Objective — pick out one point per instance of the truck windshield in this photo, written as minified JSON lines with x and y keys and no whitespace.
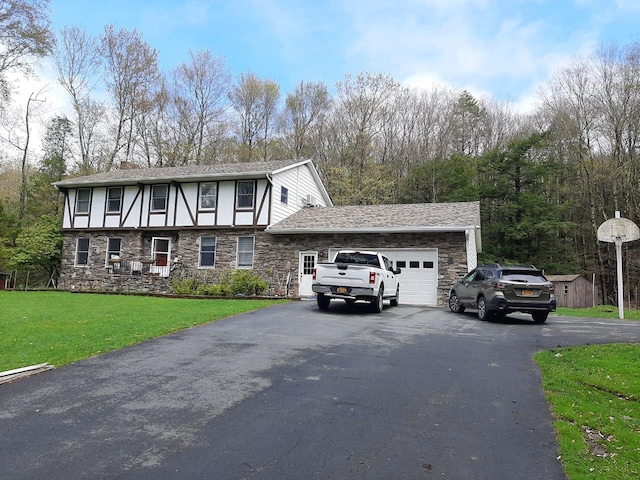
{"x":357,"y":258}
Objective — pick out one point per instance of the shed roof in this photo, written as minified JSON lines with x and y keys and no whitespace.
{"x":396,"y":218}
{"x":563,"y":278}
{"x":217,"y":171}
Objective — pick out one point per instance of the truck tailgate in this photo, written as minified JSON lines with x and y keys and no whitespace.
{"x":352,"y":276}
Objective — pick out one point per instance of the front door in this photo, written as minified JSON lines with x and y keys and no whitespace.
{"x":308,"y":262}
{"x":161,"y":251}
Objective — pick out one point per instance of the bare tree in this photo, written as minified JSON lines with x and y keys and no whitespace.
{"x":360,"y":109}
{"x":305,"y":110}
{"x":25,"y":35}
{"x":200,"y":99}
{"x":18,"y":136}
{"x":78,"y":67}
{"x":255,"y":102}
{"x":131,"y":75}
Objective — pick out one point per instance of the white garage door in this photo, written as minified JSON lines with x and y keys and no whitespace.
{"x":419,"y":277}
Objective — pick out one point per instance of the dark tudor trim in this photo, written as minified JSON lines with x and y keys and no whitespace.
{"x":274,"y":255}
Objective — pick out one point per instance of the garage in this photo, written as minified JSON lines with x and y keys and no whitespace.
{"x":433,"y":243}
{"x":419,"y":277}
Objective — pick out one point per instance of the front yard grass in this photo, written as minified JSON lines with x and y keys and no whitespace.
{"x":599,"y":311}
{"x":62,"y":327}
{"x":594,"y":393}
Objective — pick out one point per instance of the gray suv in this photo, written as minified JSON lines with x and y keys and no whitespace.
{"x":497,"y":290}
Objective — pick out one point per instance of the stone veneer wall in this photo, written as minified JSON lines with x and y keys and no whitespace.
{"x":452,"y":253}
{"x":274,"y":256}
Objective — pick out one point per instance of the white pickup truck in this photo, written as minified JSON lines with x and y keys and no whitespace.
{"x":357,"y":275}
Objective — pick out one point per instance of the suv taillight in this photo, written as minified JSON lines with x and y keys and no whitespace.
{"x":498,"y":285}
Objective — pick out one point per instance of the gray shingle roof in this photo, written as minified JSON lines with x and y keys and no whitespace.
{"x":415,"y":217}
{"x":191,"y":172}
{"x":562,"y":278}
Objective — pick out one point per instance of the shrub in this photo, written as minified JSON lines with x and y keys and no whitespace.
{"x":246,"y":282}
{"x":230,"y":283}
{"x":213,"y":289}
{"x":185,"y":286}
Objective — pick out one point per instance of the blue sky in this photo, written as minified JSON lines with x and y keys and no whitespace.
{"x":503,"y":49}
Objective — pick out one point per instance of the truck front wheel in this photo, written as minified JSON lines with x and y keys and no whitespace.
{"x":377,"y":303}
{"x":323,"y":302}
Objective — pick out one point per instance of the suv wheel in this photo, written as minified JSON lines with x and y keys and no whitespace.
{"x":454,"y":303}
{"x":483,"y":313}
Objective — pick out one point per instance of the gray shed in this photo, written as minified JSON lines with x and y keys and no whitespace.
{"x":573,"y":291}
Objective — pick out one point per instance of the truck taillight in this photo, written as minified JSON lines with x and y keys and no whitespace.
{"x":314,"y":273}
{"x":372,"y":277}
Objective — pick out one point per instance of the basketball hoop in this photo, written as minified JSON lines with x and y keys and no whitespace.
{"x":619,"y":230}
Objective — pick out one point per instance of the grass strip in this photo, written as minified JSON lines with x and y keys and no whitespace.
{"x":594,"y":393}
{"x":599,"y":311}
{"x":62,"y":327}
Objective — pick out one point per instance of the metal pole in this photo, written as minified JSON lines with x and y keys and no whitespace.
{"x":620,"y":288}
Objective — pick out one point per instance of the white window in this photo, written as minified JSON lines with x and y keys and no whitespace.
{"x":161,"y":251}
{"x":208,"y":196}
{"x":284,"y":195}
{"x":207,"y":251}
{"x":82,"y":252}
{"x":158,"y":198}
{"x":114,"y":246}
{"x":245,"y":252}
{"x":83,"y":200}
{"x":245,"y":194}
{"x":114,"y":199}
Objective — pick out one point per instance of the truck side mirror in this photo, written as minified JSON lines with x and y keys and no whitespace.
{"x":397,"y":271}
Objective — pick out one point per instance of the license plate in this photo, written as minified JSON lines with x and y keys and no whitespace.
{"x":341,"y":290}
{"x":527,"y":293}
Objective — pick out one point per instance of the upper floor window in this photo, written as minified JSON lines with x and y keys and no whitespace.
{"x":245,"y":194}
{"x":207,"y":251}
{"x":82,"y":252}
{"x":284,"y":195}
{"x":208,"y":196}
{"x":158,"y":198}
{"x":83,"y":200}
{"x":114,"y":199}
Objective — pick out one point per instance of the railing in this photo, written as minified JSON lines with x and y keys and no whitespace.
{"x":123,"y":266}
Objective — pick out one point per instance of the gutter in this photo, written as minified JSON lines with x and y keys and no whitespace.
{"x":301,"y":231}
{"x":158,"y":180}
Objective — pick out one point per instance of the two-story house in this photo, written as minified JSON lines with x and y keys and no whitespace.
{"x":134,"y":230}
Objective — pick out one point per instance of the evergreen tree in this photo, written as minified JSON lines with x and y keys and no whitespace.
{"x":519,"y":221}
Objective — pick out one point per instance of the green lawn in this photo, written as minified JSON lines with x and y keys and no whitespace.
{"x":62,"y":327}
{"x":594,"y":393}
{"x":599,"y":311}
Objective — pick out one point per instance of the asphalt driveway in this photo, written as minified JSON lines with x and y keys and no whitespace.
{"x":293,"y":393}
